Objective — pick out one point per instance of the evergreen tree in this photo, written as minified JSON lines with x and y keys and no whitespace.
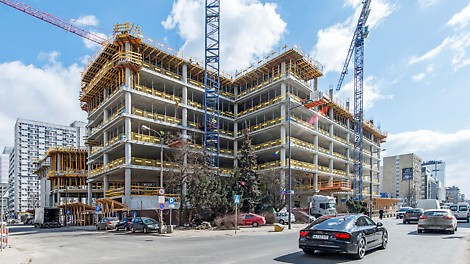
{"x":247,"y":180}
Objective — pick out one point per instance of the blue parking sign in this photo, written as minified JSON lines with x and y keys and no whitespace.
{"x":171,"y":200}
{"x":236,"y":199}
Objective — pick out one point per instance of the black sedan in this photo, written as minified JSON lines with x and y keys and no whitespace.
{"x":352,"y":234}
{"x":124,"y":224}
{"x":144,"y":224}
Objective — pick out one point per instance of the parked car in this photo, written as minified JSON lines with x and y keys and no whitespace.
{"x":401,"y":212}
{"x":107,"y":223}
{"x":352,"y":234}
{"x":124,"y":224}
{"x":283,"y":218}
{"x":252,"y":219}
{"x":144,"y":224}
{"x":461,"y":211}
{"x":437,"y":219}
{"x":412,"y":215}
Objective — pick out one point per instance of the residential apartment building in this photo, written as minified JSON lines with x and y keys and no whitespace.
{"x":4,"y":167}
{"x":438,"y":171}
{"x":430,"y":186}
{"x":131,"y":84}
{"x":32,"y":139}
{"x":402,"y":176}
{"x":453,"y":194}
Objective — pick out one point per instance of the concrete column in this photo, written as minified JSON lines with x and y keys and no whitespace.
{"x":284,"y":148}
{"x":184,"y":99}
{"x":89,"y":200}
{"x":283,"y":68}
{"x":59,"y":165}
{"x":235,"y":142}
{"x":89,"y":178}
{"x":127,"y":186}
{"x":105,"y":183}
{"x":315,"y":84}
{"x":315,"y":182}
{"x":105,"y":159}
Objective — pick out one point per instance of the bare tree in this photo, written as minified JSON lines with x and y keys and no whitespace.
{"x":270,"y":186}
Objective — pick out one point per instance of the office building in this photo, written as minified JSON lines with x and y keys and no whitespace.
{"x":402,"y":177}
{"x":438,"y":171}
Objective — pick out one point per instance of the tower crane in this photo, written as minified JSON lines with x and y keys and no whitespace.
{"x":212,"y":84}
{"x":357,"y":46}
{"x":54,"y":21}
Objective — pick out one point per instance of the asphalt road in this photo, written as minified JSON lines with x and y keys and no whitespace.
{"x":72,"y":245}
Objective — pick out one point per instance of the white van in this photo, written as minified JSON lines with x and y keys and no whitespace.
{"x":461,"y":211}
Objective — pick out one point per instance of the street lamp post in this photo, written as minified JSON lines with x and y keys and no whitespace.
{"x":160,"y":134}
{"x":370,"y":180}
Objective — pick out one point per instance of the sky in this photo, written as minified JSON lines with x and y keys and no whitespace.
{"x":416,"y":64}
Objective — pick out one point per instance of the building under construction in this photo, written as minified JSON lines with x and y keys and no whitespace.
{"x":132,"y":82}
{"x":63,"y":178}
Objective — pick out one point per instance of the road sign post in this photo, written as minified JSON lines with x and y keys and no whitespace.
{"x":236,"y":200}
{"x":171,"y":204}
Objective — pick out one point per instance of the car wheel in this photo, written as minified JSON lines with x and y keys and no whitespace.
{"x":420,"y":231}
{"x":309,"y":251}
{"x":452,"y":231}
{"x":97,"y":228}
{"x":384,"y":240}
{"x":132,"y":229}
{"x":456,"y":228}
{"x":255,"y":224}
{"x":361,"y":249}
{"x":145,"y":230}
{"x":404,"y":222}
{"x":281,"y":222}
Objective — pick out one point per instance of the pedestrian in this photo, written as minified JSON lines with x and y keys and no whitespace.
{"x":381,"y":213}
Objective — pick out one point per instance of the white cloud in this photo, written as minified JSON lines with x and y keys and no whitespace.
{"x":420,"y":76}
{"x":427,"y":3}
{"x":371,"y":90}
{"x":249,"y":29}
{"x":333,"y":42}
{"x":48,"y":93}
{"x":461,"y":19}
{"x":457,"y":45}
{"x":432,"y":145}
{"x":91,"y":21}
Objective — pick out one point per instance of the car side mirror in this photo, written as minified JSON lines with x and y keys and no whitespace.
{"x":379,"y":224}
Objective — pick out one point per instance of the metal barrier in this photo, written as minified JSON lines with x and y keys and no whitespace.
{"x":3,"y":236}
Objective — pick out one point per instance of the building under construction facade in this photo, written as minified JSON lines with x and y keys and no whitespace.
{"x":132,"y":82}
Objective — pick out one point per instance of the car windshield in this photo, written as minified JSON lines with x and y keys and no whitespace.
{"x":413,"y":211}
{"x":453,"y":207}
{"x":150,"y":221}
{"x":403,"y":209}
{"x":463,"y":208}
{"x":435,"y":213}
{"x":330,"y":223}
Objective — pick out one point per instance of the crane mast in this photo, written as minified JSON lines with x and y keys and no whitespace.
{"x":54,"y":21}
{"x":212,"y":84}
{"x":357,"y":46}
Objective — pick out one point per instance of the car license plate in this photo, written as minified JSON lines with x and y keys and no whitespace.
{"x":320,"y":236}
{"x":413,"y":217}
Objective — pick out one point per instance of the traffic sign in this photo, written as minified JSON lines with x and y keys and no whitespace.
{"x":171,"y":200}
{"x":236,"y":199}
{"x":161,"y":191}
{"x":161,"y":206}
{"x":67,"y":212}
{"x":160,"y":199}
{"x":98,"y":208}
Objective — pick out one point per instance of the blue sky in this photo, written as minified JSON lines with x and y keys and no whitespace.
{"x":417,"y":60}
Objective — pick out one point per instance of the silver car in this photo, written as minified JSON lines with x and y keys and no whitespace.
{"x":107,"y":223}
{"x":283,"y":218}
{"x":437,"y":219}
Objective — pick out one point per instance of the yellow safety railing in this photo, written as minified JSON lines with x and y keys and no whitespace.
{"x":157,"y":93}
{"x":127,"y":57}
{"x":268,"y":144}
{"x":117,"y":113}
{"x":303,"y":143}
{"x":342,"y":184}
{"x":260,"y":106}
{"x":145,"y":138}
{"x":259,"y":126}
{"x":261,"y":85}
{"x":155,"y":116}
